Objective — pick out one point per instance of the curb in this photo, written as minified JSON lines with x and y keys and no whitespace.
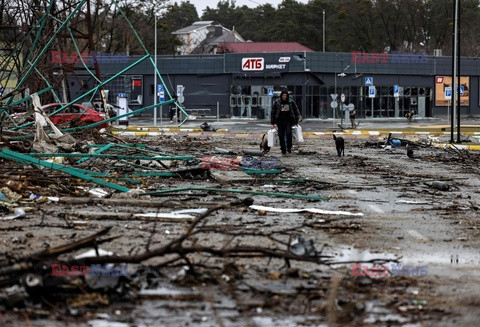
{"x":458,"y":146}
{"x":376,"y":133}
{"x":224,"y":133}
{"x":165,"y":129}
{"x":310,"y":135}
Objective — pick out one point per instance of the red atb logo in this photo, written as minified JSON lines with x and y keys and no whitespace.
{"x":253,"y":63}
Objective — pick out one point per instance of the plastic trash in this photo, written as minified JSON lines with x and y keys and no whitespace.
{"x":395,"y":143}
{"x":18,"y":213}
{"x":303,"y":247}
{"x":93,"y":253}
{"x":223,"y":151}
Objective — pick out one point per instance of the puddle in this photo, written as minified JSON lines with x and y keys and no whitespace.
{"x":352,"y":254}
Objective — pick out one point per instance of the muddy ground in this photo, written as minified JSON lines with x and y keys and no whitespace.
{"x":406,"y":220}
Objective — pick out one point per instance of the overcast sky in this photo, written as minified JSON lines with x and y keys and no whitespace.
{"x":202,"y":4}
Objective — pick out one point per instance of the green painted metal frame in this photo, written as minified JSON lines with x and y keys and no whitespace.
{"x":104,"y":148}
{"x":106,"y":156}
{"x":12,"y":155}
{"x":29,"y":98}
{"x":93,"y":90}
{"x":50,"y":41}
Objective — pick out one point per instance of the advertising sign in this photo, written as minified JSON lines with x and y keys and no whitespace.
{"x":440,"y":88}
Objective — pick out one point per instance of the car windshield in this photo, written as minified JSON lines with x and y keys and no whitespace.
{"x":69,"y":110}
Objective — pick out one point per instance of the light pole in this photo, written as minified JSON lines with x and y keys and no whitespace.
{"x":324,"y":31}
{"x":155,"y":76}
{"x":341,"y":74}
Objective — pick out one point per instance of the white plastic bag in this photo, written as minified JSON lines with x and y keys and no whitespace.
{"x":297,"y":133}
{"x":272,"y":138}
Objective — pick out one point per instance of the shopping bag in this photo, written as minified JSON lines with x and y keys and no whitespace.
{"x":297,"y":133}
{"x":272,"y":137}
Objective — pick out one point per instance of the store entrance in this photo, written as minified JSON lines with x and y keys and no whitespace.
{"x":250,"y":102}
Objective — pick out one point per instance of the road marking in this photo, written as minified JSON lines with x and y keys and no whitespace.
{"x":417,"y":235}
{"x":352,"y":191}
{"x":376,"y":208}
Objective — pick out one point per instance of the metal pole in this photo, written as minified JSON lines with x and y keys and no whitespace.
{"x":454,"y":72}
{"x":335,"y":92}
{"x":218,"y":111}
{"x":459,"y":32}
{"x":448,"y":111}
{"x":324,"y":31}
{"x":155,"y":92}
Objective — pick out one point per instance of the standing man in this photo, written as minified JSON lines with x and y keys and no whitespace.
{"x":285,"y":114}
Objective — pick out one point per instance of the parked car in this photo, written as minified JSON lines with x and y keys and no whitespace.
{"x":74,"y":112}
{"x":97,"y":106}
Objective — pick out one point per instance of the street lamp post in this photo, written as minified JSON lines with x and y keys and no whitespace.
{"x":155,"y":77}
{"x":341,"y":74}
{"x":324,"y":31}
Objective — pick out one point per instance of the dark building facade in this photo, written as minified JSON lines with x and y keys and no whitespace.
{"x":324,"y":85}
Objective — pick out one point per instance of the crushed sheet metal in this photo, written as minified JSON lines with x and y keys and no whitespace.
{"x":312,"y":210}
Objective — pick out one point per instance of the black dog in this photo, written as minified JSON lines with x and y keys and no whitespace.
{"x":340,"y":145}
{"x":264,"y":144}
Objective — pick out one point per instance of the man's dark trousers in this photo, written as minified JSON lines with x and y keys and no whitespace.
{"x":285,"y":129}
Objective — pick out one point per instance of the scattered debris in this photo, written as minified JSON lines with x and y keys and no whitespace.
{"x":310,"y":210}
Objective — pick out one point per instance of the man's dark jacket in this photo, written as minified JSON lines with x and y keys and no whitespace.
{"x":277,"y":107}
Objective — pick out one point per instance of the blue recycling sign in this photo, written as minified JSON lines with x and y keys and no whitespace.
{"x":368,"y":81}
{"x":270,"y":92}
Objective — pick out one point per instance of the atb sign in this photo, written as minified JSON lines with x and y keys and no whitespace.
{"x":253,"y":64}
{"x":371,"y":91}
{"x":396,"y":92}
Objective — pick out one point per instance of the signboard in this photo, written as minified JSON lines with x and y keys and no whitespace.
{"x":342,"y":97}
{"x":136,"y":91}
{"x":368,"y":81}
{"x":396,"y":92}
{"x":441,"y":101}
{"x":448,"y":93}
{"x":334,"y":103}
{"x":371,"y":92}
{"x":270,"y":91}
{"x":249,"y":64}
{"x":180,"y":89}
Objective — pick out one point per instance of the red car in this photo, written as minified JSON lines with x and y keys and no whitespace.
{"x":74,"y":112}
